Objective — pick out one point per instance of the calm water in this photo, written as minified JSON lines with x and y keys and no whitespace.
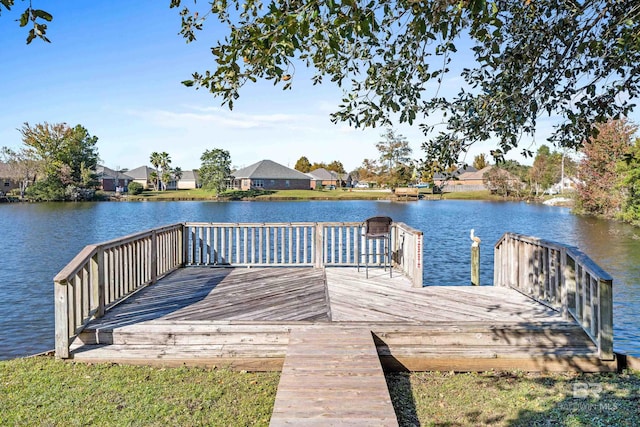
{"x":37,"y":240}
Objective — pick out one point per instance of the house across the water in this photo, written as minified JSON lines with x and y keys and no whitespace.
{"x":269,"y":175}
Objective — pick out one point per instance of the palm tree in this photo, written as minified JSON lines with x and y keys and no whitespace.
{"x":165,"y":161}
{"x":177,"y":175}
{"x":154,"y":177}
{"x":177,"y":172}
{"x":161,"y":162}
{"x":156,"y":160}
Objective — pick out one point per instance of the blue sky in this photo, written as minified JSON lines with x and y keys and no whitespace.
{"x":116,"y":68}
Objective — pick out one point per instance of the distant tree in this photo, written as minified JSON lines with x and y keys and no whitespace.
{"x":68,"y":157}
{"x":480,"y":161}
{"x":154,"y":177}
{"x":369,"y":171}
{"x":22,"y":165}
{"x":544,"y":172}
{"x":135,"y":188}
{"x":215,"y":170}
{"x":303,"y":165}
{"x":402,"y":176}
{"x":504,"y":179}
{"x":600,"y":192}
{"x":155,"y":159}
{"x":161,"y":162}
{"x":177,"y":173}
{"x":317,"y":165}
{"x":336,"y":166}
{"x":394,"y":152}
{"x":394,"y":149}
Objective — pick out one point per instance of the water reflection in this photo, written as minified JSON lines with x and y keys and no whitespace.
{"x":37,"y":240}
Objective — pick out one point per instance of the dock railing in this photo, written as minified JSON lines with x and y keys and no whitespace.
{"x":562,"y":278}
{"x":103,"y":275}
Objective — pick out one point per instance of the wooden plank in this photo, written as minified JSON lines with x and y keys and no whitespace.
{"x":332,"y":376}
{"x":249,"y":312}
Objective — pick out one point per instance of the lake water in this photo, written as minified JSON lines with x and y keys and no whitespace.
{"x":37,"y":240}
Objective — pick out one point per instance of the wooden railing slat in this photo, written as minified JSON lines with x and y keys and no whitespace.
{"x":561,"y":276}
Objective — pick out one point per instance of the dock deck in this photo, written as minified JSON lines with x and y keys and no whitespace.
{"x":295,"y":301}
{"x":243,"y":318}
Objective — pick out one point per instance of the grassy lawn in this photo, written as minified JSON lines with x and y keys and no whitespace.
{"x":516,"y":399}
{"x":43,"y":391}
{"x":472,"y":195}
{"x":338,"y":194}
{"x":200,"y":194}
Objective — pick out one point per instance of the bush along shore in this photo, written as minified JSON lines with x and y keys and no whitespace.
{"x":44,"y":391}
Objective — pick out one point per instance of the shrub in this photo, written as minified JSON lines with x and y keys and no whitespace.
{"x":135,"y":188}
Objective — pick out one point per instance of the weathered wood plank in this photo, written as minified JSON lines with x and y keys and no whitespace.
{"x":249,"y":313}
{"x":348,"y":382}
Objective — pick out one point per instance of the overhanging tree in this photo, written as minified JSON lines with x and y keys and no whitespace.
{"x":575,"y":60}
{"x":570,"y":59}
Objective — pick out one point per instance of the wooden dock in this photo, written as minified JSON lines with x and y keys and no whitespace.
{"x":348,"y":384}
{"x":291,"y":297}
{"x":243,"y":318}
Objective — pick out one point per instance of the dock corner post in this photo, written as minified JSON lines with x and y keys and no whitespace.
{"x":61,"y":320}
{"x":605,"y":338}
{"x":418,"y":272}
{"x":319,"y":255}
{"x":475,"y":264}
{"x":475,"y":259}
{"x":97,"y":279}
{"x":154,"y":257}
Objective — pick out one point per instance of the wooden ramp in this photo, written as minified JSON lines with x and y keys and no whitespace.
{"x":332,"y":377}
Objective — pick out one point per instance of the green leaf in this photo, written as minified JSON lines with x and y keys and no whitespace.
{"x":24,"y":19}
{"x":187,"y":83}
{"x":42,"y":14}
{"x":31,"y":36}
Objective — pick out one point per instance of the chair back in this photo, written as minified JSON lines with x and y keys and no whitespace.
{"x":377,"y":226}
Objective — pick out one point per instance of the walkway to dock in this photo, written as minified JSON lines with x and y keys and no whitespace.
{"x":332,"y":376}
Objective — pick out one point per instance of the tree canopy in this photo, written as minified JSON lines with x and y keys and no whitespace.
{"x":215,"y":170}
{"x":573,"y":60}
{"x":65,"y":159}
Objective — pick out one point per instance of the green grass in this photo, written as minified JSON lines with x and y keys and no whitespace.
{"x":472,"y":195}
{"x":338,"y":194}
{"x":195,"y":194}
{"x":42,"y":391}
{"x":515,"y":399}
{"x":200,"y":194}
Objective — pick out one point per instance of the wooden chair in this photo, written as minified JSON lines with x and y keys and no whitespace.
{"x":377,"y":229}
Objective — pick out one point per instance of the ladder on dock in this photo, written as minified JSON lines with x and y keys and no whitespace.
{"x":332,"y":376}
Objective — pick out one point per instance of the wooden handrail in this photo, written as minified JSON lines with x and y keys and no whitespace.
{"x":103,"y":275}
{"x":561,"y":277}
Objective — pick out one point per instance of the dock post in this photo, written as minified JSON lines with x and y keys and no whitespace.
{"x":475,"y":259}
